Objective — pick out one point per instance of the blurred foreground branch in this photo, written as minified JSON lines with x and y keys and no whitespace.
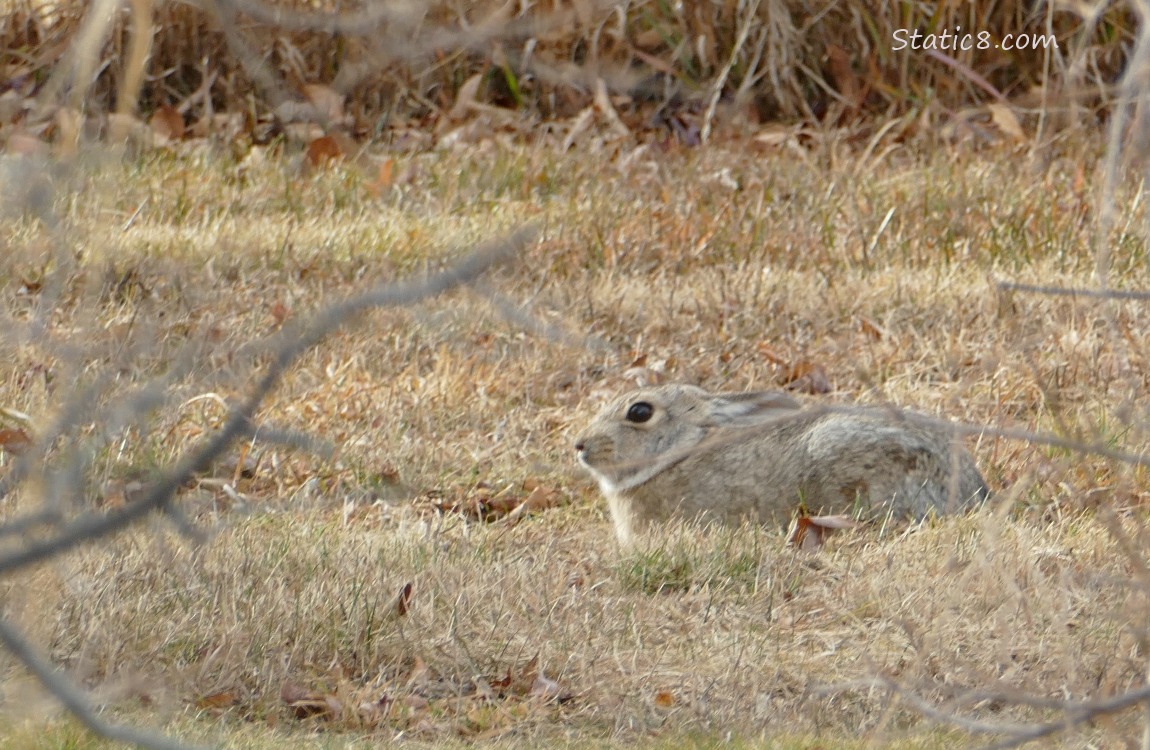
{"x":64,"y":534}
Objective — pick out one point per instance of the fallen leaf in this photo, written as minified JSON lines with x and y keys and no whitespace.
{"x":846,"y":82}
{"x":1005,"y":120}
{"x":327,"y":101}
{"x":870,"y":328}
{"x":467,"y":97}
{"x":323,"y":151}
{"x":403,"y":601}
{"x":305,"y":704}
{"x":545,"y":688}
{"x":15,"y":441}
{"x":770,"y":354}
{"x":385,"y":178}
{"x":773,"y":135}
{"x":222,"y":699}
{"x":540,"y":498}
{"x":167,"y":124}
{"x":808,"y":533}
{"x":280,"y":312}
{"x":291,"y":692}
{"x":807,"y":377}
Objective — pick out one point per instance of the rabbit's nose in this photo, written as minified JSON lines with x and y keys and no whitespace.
{"x":579,"y":445}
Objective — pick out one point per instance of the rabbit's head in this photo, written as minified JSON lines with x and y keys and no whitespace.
{"x":649,"y":430}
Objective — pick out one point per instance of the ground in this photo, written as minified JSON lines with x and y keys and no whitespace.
{"x":346,"y":588}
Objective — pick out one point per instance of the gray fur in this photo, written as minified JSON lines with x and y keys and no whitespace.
{"x":730,"y":457}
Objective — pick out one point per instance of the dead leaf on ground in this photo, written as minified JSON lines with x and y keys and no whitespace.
{"x":403,"y":601}
{"x":467,"y":98}
{"x":119,"y":492}
{"x":808,"y":533}
{"x":15,"y":441}
{"x":540,"y":498}
{"x":1005,"y":120}
{"x":327,"y":101}
{"x":547,"y":689}
{"x":843,"y":74}
{"x":323,"y":151}
{"x":870,"y":328}
{"x":768,"y":353}
{"x":280,"y":312}
{"x":480,"y":503}
{"x":385,"y":178}
{"x":807,"y":377}
{"x":305,"y":704}
{"x":222,"y":699}
{"x":167,"y":124}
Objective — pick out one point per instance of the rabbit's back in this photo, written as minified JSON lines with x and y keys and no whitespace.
{"x":678,"y":451}
{"x":881,"y":461}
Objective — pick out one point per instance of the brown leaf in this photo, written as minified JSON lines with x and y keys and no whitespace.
{"x":385,"y":178}
{"x":770,"y":354}
{"x":291,"y":692}
{"x":15,"y":441}
{"x":167,"y":123}
{"x":327,"y":101}
{"x":870,"y":328}
{"x":810,"y":532}
{"x":467,"y":98}
{"x":807,"y":377}
{"x":280,"y":312}
{"x":846,"y":82}
{"x":403,"y":601}
{"x":222,"y":699}
{"x":773,"y":135}
{"x":323,"y":151}
{"x":540,"y":498}
{"x":1005,"y":120}
{"x":545,"y":688}
{"x":527,"y":677}
{"x":372,"y":712}
{"x":313,"y":705}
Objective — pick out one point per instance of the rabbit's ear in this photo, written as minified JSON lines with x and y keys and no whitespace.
{"x":748,"y":409}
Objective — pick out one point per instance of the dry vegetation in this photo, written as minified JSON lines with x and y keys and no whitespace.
{"x":713,"y":268}
{"x":404,"y":547}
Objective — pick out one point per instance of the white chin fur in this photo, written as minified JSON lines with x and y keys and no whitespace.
{"x":611,"y":485}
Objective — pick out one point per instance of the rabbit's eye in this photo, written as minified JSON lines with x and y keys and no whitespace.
{"x":640,"y":412}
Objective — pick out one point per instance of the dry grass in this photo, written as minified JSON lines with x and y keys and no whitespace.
{"x":778,"y":59}
{"x":708,"y":267}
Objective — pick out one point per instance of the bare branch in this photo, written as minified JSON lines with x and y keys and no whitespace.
{"x":74,"y":699}
{"x":1075,"y":713}
{"x":160,"y":494}
{"x":1057,"y":291}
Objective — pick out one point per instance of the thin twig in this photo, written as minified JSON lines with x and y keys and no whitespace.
{"x":1075,"y":713}
{"x":1057,"y":291}
{"x":160,"y":494}
{"x":74,"y":699}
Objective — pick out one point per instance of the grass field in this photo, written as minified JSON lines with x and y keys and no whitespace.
{"x":357,"y":586}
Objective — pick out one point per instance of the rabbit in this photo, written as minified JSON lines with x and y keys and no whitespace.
{"x":678,"y":451}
